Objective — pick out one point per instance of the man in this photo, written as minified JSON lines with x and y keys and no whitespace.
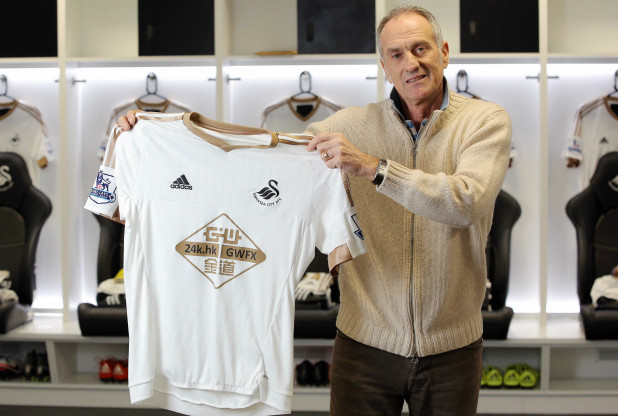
{"x":425,"y":168}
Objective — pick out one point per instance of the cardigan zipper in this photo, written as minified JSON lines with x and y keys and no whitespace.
{"x":411,"y":294}
{"x":421,"y":133}
{"x":415,"y":143}
{"x":414,"y":332}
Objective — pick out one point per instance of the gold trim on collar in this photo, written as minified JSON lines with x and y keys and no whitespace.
{"x":608,"y":101}
{"x":316,"y":101}
{"x":11,"y":105}
{"x":196,"y":122}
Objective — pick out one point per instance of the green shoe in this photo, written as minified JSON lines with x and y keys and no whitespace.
{"x":494,"y":377}
{"x":512,"y":375}
{"x":529,"y":377}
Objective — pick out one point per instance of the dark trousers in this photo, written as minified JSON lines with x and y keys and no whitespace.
{"x":369,"y":381}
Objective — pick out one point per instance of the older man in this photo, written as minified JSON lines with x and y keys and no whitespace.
{"x":425,"y":168}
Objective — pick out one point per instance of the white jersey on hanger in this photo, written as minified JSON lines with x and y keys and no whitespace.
{"x":221,"y":222}
{"x":165,"y":106}
{"x":295,"y":114}
{"x":594,"y":133}
{"x":23,"y":131}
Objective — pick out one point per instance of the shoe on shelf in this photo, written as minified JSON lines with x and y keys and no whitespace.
{"x":512,"y":375}
{"x":30,"y":366}
{"x":521,"y":375}
{"x":321,"y":373}
{"x":9,"y":368}
{"x":106,"y":368}
{"x":529,"y":377}
{"x":42,"y":368}
{"x":494,"y":377}
{"x":304,"y":373}
{"x":120,"y":372}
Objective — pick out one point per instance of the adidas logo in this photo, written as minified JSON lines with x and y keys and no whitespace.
{"x":604,"y":140}
{"x":181,"y":183}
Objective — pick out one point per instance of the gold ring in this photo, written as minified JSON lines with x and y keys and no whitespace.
{"x":325,"y":154}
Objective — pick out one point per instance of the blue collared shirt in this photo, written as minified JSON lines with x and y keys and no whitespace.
{"x":397,"y":103}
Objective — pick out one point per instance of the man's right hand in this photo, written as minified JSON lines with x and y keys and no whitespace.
{"x":572,"y":163}
{"x":127,"y":122}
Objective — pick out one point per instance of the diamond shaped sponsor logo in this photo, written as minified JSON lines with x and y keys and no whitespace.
{"x":220,"y":251}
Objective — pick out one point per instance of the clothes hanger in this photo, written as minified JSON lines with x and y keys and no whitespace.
{"x":463,"y":75}
{"x":152,"y":78}
{"x":304,"y":106}
{"x":4,"y":91}
{"x":307,"y":75}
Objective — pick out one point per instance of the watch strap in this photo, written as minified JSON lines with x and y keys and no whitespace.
{"x":380,"y":172}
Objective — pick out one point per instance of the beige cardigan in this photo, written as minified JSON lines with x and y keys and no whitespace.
{"x":419,"y":288}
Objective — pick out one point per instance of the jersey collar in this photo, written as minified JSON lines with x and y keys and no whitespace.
{"x":229,"y":137}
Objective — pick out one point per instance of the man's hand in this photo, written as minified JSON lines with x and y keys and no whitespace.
{"x":572,"y":163}
{"x":127,"y":122}
{"x":338,"y":152}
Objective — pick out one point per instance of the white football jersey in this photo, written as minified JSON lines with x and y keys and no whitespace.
{"x":295,"y":114}
{"x":221,"y":222}
{"x":23,"y":131}
{"x":165,"y":106}
{"x":594,"y":133}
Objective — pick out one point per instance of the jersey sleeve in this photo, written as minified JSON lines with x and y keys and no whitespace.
{"x":42,"y":152}
{"x":338,"y":230}
{"x":573,"y":147}
{"x":103,"y":197}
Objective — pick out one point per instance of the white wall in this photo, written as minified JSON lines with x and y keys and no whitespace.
{"x":37,"y":87}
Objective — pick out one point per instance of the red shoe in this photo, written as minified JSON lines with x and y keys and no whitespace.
{"x":121,"y":371}
{"x":106,"y":369}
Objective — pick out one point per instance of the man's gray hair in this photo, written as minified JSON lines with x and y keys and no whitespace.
{"x":435,"y":26}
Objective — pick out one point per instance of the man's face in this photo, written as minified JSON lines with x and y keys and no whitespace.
{"x":414,"y":63}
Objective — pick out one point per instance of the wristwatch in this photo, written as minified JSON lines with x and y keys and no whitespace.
{"x":380,"y":172}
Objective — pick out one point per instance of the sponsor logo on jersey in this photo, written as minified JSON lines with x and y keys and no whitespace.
{"x":100,"y":192}
{"x":268,"y":196}
{"x":220,"y":251}
{"x":575,"y":147}
{"x":181,"y":183}
{"x":6,"y":180}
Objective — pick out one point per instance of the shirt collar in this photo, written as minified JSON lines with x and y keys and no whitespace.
{"x":396,"y":99}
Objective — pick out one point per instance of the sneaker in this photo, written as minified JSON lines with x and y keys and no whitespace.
{"x":30,"y":365}
{"x":304,"y":373}
{"x":494,"y":377}
{"x":321,"y":375}
{"x":512,"y":375}
{"x":121,"y":371}
{"x":9,"y":368}
{"x":42,"y":368}
{"x":106,"y":368}
{"x":529,"y":377}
